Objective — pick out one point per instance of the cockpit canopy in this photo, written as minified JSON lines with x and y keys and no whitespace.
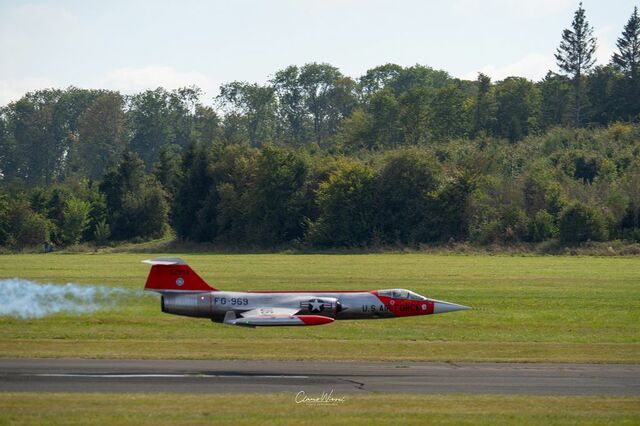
{"x":399,"y":293}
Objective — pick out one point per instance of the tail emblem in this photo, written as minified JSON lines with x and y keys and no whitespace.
{"x":179,"y":282}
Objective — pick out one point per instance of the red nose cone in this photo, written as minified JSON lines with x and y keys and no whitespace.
{"x":315,"y":319}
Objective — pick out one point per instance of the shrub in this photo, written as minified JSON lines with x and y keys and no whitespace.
{"x":75,"y":220}
{"x":515,"y":224}
{"x":580,"y":222}
{"x":542,"y":227}
{"x":346,"y":207}
{"x":28,"y":229}
{"x":102,"y":232}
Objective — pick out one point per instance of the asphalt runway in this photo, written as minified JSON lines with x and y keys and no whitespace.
{"x":71,"y":375}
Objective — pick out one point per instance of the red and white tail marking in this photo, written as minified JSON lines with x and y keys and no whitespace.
{"x":169,"y":274}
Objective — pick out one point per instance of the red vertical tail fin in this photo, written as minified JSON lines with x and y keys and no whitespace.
{"x":173,"y":274}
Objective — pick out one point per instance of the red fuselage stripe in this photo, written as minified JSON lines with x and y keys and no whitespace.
{"x":307,"y":291}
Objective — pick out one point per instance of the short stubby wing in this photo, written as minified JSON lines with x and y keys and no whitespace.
{"x":274,"y":317}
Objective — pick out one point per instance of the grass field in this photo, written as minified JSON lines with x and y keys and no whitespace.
{"x":169,"y":409}
{"x":555,"y":309}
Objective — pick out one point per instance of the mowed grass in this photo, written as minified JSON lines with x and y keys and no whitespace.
{"x":281,"y":409}
{"x":531,"y":309}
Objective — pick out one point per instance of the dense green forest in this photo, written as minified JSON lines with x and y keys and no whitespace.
{"x":397,"y":156}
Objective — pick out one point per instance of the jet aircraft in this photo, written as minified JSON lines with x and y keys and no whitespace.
{"x":183,"y":292}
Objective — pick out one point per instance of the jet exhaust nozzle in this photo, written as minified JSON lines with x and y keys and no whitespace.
{"x":190,"y":304}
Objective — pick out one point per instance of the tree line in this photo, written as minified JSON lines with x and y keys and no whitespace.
{"x":400,"y":155}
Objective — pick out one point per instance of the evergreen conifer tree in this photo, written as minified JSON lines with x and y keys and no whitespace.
{"x":575,"y":56}
{"x":627,"y":60}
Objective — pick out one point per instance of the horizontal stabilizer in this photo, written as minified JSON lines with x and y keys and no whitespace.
{"x":165,"y":261}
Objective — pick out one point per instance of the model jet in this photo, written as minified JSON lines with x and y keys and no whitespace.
{"x":183,"y":292}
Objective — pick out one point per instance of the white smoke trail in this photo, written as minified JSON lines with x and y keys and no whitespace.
{"x":26,"y":299}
